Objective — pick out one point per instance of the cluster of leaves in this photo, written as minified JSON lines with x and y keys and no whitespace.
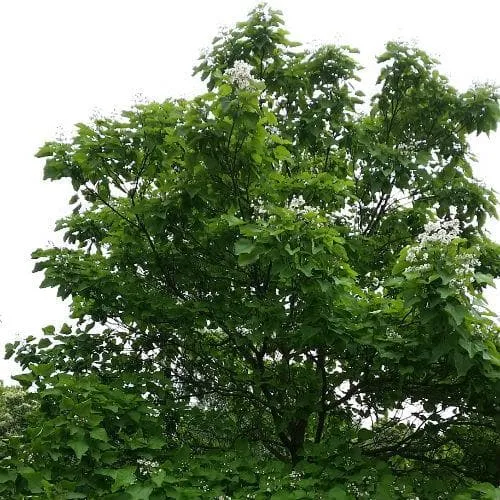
{"x":249,"y":324}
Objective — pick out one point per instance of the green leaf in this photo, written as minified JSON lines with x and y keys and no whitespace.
{"x":243,"y":245}
{"x":44,"y":342}
{"x":10,"y":349}
{"x":65,"y":329}
{"x":281,"y":153}
{"x":158,"y":477}
{"x":489,"y":491}
{"x":79,"y":446}
{"x":7,"y":476}
{"x":73,"y":199}
{"x":33,"y":477}
{"x":140,"y":492}
{"x":484,"y":279}
{"x":247,"y":259}
{"x":445,"y":292}
{"x":248,"y":476}
{"x":25,"y":379}
{"x":337,"y":493}
{"x":225,"y":89}
{"x":46,"y":150}
{"x":365,"y":434}
{"x":43,"y":369}
{"x":156,"y":443}
{"x":423,"y":157}
{"x":99,"y":434}
{"x":48,"y":330}
{"x":462,"y":363}
{"x":291,"y":251}
{"x":110,"y":457}
{"x":124,"y":477}
{"x":232,"y":220}
{"x":457,"y":312}
{"x":307,"y":269}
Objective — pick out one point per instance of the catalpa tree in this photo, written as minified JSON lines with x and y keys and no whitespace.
{"x":277,"y":295}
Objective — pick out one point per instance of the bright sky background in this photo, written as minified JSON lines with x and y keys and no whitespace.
{"x":60,"y":60}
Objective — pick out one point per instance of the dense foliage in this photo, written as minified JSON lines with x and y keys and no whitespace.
{"x":278,"y":295}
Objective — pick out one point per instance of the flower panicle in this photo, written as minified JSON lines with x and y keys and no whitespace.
{"x":240,"y":75}
{"x":441,"y":234}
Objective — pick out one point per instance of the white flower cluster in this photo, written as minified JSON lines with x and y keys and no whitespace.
{"x":361,"y":490}
{"x":281,"y":101}
{"x":443,"y":232}
{"x":223,"y":35}
{"x":440,"y":232}
{"x":243,"y":330}
{"x":240,"y":75}
{"x":147,"y":466}
{"x":419,"y":269}
{"x":295,"y":476}
{"x":468,"y":263}
{"x":264,"y":13}
{"x":278,"y":104}
{"x":486,"y":331}
{"x":258,"y":206}
{"x":276,"y":356}
{"x":298,"y":205}
{"x":465,"y":269}
{"x":207,"y":329}
{"x":392,"y":334}
{"x":402,"y":489}
{"x":207,"y":56}
{"x":272,"y":129}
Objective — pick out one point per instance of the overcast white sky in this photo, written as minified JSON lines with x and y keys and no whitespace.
{"x":62,"y":59}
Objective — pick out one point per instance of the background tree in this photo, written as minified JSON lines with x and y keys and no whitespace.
{"x":277,"y":295}
{"x":15,"y":406}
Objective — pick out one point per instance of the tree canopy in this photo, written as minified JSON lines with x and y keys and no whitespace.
{"x":278,"y":289}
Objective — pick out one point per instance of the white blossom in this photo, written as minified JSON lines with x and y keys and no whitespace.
{"x":258,"y":206}
{"x":438,"y":232}
{"x":223,"y":35}
{"x":207,"y":56}
{"x":264,"y":13}
{"x":298,"y":205}
{"x":331,"y":217}
{"x":276,"y":356}
{"x":392,"y":334}
{"x":419,"y":269}
{"x":272,"y":129}
{"x":320,"y":215}
{"x":411,"y":256}
{"x":147,"y":466}
{"x":240,"y":75}
{"x":442,"y":233}
{"x":281,"y":100}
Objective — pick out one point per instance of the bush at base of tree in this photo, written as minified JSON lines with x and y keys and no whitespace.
{"x":278,"y":296}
